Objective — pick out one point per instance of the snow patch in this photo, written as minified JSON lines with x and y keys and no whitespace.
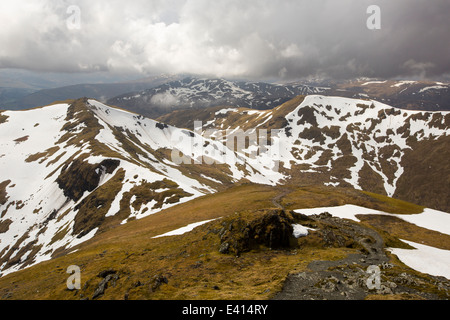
{"x":430,"y":219}
{"x":425,"y":259}
{"x":432,"y":88}
{"x":300,"y":231}
{"x":184,"y":230}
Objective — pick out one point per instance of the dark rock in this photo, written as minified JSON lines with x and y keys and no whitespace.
{"x":161,"y":126}
{"x":224,"y":248}
{"x":103,"y":285}
{"x":250,"y":230}
{"x":324,"y":215}
{"x":81,"y":176}
{"x":105,"y":273}
{"x":157,"y":282}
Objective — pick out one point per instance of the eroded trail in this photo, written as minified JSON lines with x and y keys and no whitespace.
{"x":277,"y":200}
{"x":352,"y":278}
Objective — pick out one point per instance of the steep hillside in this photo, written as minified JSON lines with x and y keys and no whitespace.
{"x":71,"y":170}
{"x":243,"y":248}
{"x":347,"y":142}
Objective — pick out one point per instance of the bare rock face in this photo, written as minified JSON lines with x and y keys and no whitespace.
{"x":109,"y":277}
{"x":80,"y":176}
{"x":250,"y":230}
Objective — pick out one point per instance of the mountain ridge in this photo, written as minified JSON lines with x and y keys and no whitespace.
{"x":90,"y":163}
{"x":96,"y":167}
{"x":376,"y":134}
{"x":198,"y":93}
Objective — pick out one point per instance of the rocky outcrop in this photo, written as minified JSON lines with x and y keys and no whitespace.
{"x":364,"y":275}
{"x":249,"y":230}
{"x":109,"y":277}
{"x":79,"y":176}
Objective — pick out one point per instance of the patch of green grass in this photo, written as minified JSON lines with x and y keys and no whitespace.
{"x":321,"y":196}
{"x":396,"y":205}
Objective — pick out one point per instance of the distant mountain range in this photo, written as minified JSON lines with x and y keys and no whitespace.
{"x":410,"y":95}
{"x":19,"y":98}
{"x":160,"y":95}
{"x":10,"y":96}
{"x":194,"y":93}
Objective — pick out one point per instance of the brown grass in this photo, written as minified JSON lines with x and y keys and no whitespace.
{"x":3,"y":193}
{"x":22,"y":139}
{"x":321,"y":196}
{"x":371,"y":180}
{"x":398,"y":206}
{"x":426,"y":177}
{"x":42,"y":155}
{"x":4,"y":225}
{"x":191,"y":263}
{"x":3,"y":118}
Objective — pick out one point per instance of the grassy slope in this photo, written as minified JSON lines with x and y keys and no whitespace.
{"x":191,"y":263}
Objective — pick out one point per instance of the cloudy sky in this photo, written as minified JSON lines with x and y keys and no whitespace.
{"x":254,"y":39}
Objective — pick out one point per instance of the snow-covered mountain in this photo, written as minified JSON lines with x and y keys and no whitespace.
{"x":68,"y":171}
{"x":195,"y":93}
{"x":404,"y":94}
{"x":73,"y":170}
{"x":339,"y":141}
{"x":201,"y":93}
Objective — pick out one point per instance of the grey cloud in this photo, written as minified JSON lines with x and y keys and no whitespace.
{"x":254,"y":39}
